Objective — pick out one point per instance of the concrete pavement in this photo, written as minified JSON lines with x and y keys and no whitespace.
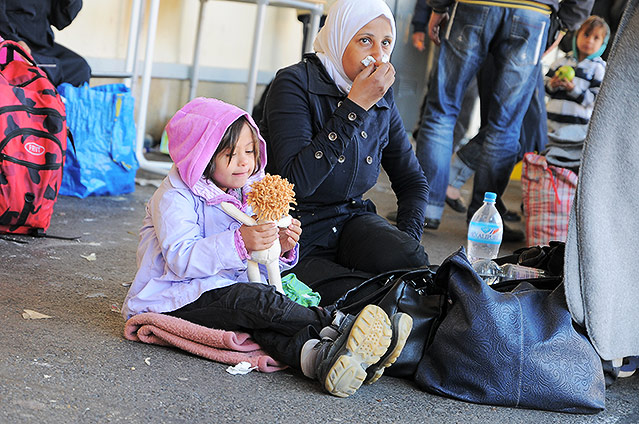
{"x":76,"y":367}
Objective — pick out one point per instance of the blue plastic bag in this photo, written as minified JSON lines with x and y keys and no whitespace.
{"x":102,"y":123}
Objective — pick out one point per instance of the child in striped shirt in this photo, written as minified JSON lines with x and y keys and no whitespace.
{"x":572,"y":99}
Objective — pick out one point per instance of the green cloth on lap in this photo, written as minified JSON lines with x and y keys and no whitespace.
{"x":299,"y":292}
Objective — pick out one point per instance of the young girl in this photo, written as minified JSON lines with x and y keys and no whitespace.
{"x":572,"y":99}
{"x":192,"y":258}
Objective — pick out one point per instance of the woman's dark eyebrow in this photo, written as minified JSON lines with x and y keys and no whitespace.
{"x":368,"y":34}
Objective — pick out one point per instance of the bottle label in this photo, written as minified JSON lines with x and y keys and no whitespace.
{"x":484,"y":232}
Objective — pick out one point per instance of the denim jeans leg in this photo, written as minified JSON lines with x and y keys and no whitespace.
{"x":459,"y":172}
{"x":517,"y":49}
{"x":456,"y":66}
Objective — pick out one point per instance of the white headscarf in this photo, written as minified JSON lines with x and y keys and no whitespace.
{"x":344,"y":19}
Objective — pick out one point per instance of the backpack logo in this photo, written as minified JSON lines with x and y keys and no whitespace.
{"x":34,"y":148}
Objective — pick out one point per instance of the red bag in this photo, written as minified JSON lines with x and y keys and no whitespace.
{"x":33,"y":143}
{"x":547,"y":192}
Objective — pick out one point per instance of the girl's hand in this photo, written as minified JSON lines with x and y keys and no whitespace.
{"x":290,"y":236}
{"x":568,"y":85}
{"x":259,"y":237}
{"x":371,"y":84}
{"x":555,"y":82}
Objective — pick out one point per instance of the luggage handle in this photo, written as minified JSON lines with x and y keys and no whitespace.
{"x":12,"y":47}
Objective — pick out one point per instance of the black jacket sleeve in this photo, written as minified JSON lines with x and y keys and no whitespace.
{"x":63,"y":12}
{"x":573,"y":12}
{"x":421,"y":14}
{"x":406,"y":177}
{"x":7,"y":29}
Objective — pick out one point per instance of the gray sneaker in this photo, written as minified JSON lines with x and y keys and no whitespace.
{"x":341,"y":364}
{"x":402,"y":325}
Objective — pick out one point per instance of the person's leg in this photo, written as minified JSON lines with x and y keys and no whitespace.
{"x":516,"y":54}
{"x":460,"y":57}
{"x":69,"y":66}
{"x":458,"y":175}
{"x":278,"y":324}
{"x":465,"y":115}
{"x":534,"y":127}
{"x":320,"y":271}
{"x":369,"y":243}
{"x":291,"y":332}
{"x":50,"y":64}
{"x":460,"y":172}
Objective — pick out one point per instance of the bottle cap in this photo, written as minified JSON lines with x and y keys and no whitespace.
{"x":489,"y":196}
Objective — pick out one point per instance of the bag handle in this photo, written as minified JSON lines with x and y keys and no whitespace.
{"x":12,"y":47}
{"x":117,"y":114}
{"x":385,"y":282}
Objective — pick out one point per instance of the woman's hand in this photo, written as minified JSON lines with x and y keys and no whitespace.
{"x":259,"y":237}
{"x":290,"y":235}
{"x":25,"y":46}
{"x":371,"y":84}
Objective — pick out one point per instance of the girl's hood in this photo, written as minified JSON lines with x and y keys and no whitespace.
{"x":195,"y":131}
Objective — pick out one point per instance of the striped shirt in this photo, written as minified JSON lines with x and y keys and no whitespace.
{"x":575,"y":106}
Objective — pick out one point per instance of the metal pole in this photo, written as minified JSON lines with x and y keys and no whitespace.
{"x":195,"y":69}
{"x":255,"y":54}
{"x":153,"y":166}
{"x":133,"y":42}
{"x":316,"y":14}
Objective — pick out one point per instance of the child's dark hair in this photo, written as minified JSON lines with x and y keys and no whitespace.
{"x":594,"y":22}
{"x":229,"y":143}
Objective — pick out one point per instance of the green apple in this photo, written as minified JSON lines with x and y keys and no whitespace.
{"x":565,"y":72}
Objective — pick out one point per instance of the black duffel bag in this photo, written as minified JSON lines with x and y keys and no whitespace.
{"x":410,"y":291}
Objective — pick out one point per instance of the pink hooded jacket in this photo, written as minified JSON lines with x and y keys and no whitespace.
{"x":195,"y":132}
{"x":187,"y":242}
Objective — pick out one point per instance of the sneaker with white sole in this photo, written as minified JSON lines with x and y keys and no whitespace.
{"x":402,"y":324}
{"x":342,"y":363}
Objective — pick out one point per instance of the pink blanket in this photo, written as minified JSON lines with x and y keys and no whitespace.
{"x":228,"y":347}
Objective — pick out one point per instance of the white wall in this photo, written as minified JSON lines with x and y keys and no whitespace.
{"x":101,"y":29}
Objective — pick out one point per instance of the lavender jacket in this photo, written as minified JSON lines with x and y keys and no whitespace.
{"x":188,"y":244}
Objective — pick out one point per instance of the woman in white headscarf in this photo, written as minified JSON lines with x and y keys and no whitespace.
{"x":331,"y":123}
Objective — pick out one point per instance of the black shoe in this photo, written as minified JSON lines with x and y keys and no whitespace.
{"x":511,"y":216}
{"x":392,"y":216}
{"x":512,"y":234}
{"x":456,"y":204}
{"x":341,"y":364}
{"x":431,"y":223}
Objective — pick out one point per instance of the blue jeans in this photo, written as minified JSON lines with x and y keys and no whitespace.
{"x":515,"y":38}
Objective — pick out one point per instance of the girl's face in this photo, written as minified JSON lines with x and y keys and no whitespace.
{"x":589,"y":41}
{"x":234,"y":173}
{"x":373,"y":39}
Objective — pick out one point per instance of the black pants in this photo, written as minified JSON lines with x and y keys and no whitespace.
{"x":278,"y":324}
{"x":368,"y":245}
{"x":69,"y":66}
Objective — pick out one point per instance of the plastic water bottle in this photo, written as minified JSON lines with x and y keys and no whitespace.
{"x":492,"y":273}
{"x":485,"y":231}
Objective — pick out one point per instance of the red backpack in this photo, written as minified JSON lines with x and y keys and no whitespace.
{"x":33,"y":143}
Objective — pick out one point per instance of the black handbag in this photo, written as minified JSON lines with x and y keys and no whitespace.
{"x":511,"y":344}
{"x":554,"y":28}
{"x":410,"y":291}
